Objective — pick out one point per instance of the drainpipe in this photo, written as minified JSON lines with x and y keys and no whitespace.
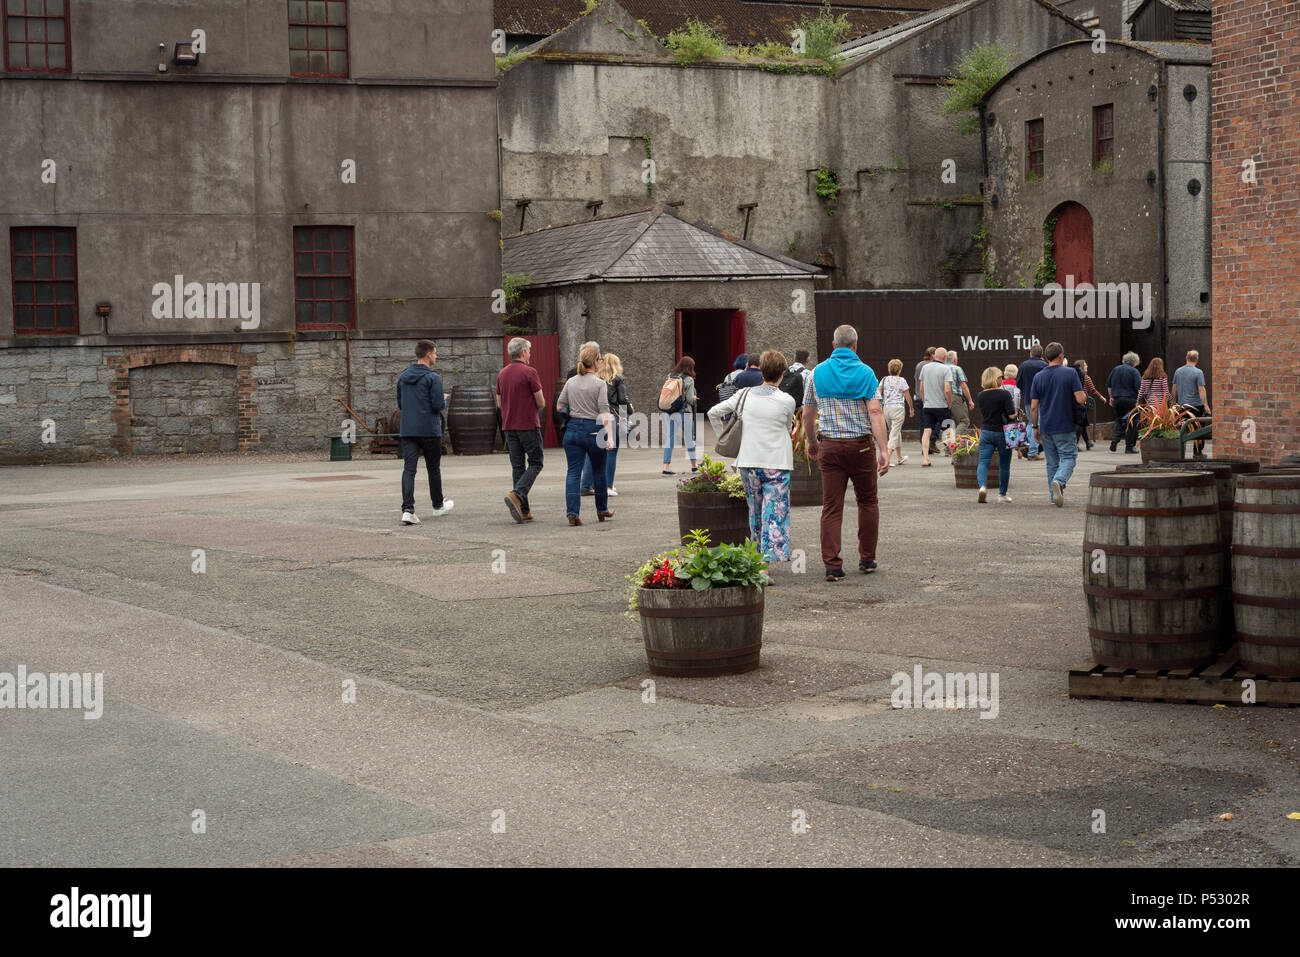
{"x":984,"y":145}
{"x":1160,"y":187}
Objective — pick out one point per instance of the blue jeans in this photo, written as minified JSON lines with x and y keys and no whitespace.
{"x":990,"y":442}
{"x":611,"y":458}
{"x":686,"y":422}
{"x":1062,"y":452}
{"x":580,"y":442}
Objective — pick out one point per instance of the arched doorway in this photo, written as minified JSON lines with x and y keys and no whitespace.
{"x":1072,"y":243}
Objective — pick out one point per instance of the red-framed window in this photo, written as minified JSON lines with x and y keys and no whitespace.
{"x":36,"y":36}
{"x":1103,"y":133}
{"x":324,"y":276}
{"x":45,"y":280}
{"x":318,"y":38}
{"x":1034,"y":149}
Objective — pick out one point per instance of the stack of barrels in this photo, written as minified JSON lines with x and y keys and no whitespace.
{"x":1182,"y":558}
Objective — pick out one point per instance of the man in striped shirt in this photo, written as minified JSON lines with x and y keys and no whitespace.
{"x":845,"y":426}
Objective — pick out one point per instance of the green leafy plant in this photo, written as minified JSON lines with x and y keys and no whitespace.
{"x":771,"y":50}
{"x":826,"y":184}
{"x":1045,"y":270}
{"x":964,"y":446}
{"x":974,"y":75}
{"x":517,"y":305}
{"x":695,"y":41}
{"x":699,"y":566}
{"x":510,"y":59}
{"x":1033,"y":176}
{"x":980,"y":240}
{"x":1162,"y":420}
{"x":591,"y":6}
{"x":1105,"y":165}
{"x":713,"y":477}
{"x":791,"y":246}
{"x":823,"y":33}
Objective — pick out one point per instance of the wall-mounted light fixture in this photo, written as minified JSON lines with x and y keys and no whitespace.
{"x":103,"y":310}
{"x":185,"y":55}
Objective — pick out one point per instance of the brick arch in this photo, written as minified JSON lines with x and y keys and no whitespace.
{"x":228,"y":355}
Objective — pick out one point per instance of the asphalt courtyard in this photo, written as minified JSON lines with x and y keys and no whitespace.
{"x":291,"y":677}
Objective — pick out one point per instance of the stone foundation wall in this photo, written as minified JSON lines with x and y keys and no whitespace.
{"x":82,"y":402}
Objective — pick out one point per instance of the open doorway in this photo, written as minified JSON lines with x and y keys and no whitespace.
{"x":713,"y":338}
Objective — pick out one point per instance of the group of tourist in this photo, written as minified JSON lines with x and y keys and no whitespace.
{"x":852,"y":425}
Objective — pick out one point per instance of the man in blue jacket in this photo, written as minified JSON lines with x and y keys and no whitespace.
{"x":419,"y":399}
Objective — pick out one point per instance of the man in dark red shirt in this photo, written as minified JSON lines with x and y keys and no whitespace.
{"x":519,"y":396}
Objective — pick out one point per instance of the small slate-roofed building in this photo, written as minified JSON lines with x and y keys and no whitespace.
{"x":1174,"y":21}
{"x":652,"y":287}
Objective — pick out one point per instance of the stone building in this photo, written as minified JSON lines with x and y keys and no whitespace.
{"x":1256,"y":228}
{"x":652,"y":287}
{"x":857,"y":171}
{"x":1099,"y":169}
{"x":1107,"y":15}
{"x":1174,"y":21}
{"x":227,"y":186}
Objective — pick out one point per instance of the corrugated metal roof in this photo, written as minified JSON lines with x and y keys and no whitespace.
{"x":740,"y":21}
{"x":647,"y":244}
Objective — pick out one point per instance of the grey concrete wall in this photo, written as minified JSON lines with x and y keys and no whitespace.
{"x":1187,"y":158}
{"x":725,"y":134}
{"x":209,"y":181}
{"x":386,"y":39}
{"x":295,"y":389}
{"x":635,"y":321}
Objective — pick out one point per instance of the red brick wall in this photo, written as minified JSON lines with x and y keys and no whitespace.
{"x":1256,"y":245}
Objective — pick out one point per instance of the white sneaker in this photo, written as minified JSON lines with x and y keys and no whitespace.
{"x":1058,"y":494}
{"x":612,"y":491}
{"x":410,"y":518}
{"x":447,"y":506}
{"x":984,"y":495}
{"x":1004,"y":498}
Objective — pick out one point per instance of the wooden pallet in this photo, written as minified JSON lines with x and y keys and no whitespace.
{"x":1217,"y":683}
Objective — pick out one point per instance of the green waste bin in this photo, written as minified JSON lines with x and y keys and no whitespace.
{"x":340,"y":451}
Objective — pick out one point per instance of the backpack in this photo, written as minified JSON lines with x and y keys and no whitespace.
{"x":727,"y":388}
{"x":792,"y":385}
{"x":670,"y":396}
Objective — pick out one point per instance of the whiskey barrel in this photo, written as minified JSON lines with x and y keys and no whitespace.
{"x":1155,"y":601}
{"x":1225,"y":485}
{"x":691,"y":634}
{"x":1266,"y":573}
{"x":472,"y":419}
{"x":726,"y":519}
{"x":1238,"y":466}
{"x":965,"y":471}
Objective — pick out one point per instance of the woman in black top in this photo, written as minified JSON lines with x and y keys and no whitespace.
{"x":996,"y":409}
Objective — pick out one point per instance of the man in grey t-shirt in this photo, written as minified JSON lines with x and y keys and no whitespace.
{"x":935,"y":387}
{"x":1189,"y":391}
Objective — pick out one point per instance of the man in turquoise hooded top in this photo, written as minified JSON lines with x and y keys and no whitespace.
{"x":845,"y":425}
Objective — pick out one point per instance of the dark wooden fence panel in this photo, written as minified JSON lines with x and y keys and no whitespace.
{"x":987,"y":327}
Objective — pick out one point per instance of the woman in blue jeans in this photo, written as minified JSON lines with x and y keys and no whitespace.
{"x":996,"y":409}
{"x":586,"y":400}
{"x":611,"y":371}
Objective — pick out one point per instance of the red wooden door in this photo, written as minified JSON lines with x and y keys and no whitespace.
{"x":545,"y":358}
{"x":736,"y":335}
{"x":1072,"y":244}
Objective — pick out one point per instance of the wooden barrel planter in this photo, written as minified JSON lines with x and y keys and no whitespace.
{"x":1266,"y":573}
{"x":1238,"y":466}
{"x":1155,"y":449}
{"x":806,"y":484}
{"x":726,"y":519}
{"x":964,"y":469}
{"x":472,"y":418}
{"x":1156,"y":601}
{"x":699,"y":634}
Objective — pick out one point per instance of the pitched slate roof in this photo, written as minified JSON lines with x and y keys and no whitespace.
{"x":650,"y":244}
{"x":1197,"y":6}
{"x":741,"y":21}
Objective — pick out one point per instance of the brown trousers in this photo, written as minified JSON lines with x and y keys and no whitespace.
{"x":842,"y":461}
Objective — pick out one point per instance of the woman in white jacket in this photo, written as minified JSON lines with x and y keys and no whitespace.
{"x":766,"y":455}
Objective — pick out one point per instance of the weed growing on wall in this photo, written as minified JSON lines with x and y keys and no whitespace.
{"x":695,"y":41}
{"x":1045,"y":271}
{"x":974,"y":75}
{"x":827,"y":185}
{"x":518,"y":308}
{"x":510,"y":59}
{"x":825,"y":33}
